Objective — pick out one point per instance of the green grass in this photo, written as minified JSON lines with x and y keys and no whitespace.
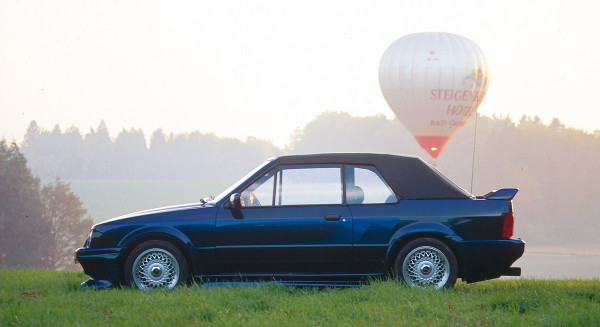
{"x":50,"y":298}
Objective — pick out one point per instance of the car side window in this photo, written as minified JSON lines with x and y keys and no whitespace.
{"x":309,"y":185}
{"x":260,"y":193}
{"x":364,"y":185}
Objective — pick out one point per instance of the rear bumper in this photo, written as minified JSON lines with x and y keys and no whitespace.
{"x":489,"y":259}
{"x":102,"y":264}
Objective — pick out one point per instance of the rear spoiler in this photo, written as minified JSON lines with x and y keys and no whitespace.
{"x":502,"y":194}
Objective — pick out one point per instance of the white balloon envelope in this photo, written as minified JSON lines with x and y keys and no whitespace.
{"x":433,"y":82}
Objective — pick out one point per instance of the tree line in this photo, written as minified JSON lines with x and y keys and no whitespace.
{"x":72,"y":155}
{"x":40,"y":225}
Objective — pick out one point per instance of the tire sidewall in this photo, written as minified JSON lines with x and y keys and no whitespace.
{"x":431,"y":242}
{"x":158,"y":244}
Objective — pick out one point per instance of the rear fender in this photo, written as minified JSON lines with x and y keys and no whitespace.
{"x":417,"y":230}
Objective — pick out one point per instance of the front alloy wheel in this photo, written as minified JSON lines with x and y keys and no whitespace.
{"x":426,"y":262}
{"x":155,"y":264}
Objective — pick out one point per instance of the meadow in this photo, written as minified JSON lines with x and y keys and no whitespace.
{"x":52,"y":298}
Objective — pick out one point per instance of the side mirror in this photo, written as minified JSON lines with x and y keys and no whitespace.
{"x":235,"y":204}
{"x":235,"y":200}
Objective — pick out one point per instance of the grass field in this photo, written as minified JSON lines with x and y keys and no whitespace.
{"x":50,"y":298}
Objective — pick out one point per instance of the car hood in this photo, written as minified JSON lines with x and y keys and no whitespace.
{"x":162,"y":210}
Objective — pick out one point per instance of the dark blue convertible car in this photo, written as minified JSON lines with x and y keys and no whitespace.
{"x":324,"y":219}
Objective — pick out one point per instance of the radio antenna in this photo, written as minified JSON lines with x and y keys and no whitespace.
{"x":474,"y":142}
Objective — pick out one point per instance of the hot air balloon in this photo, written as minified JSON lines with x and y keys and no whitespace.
{"x":433,"y":82}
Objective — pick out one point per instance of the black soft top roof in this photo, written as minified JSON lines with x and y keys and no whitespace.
{"x":410,"y":177}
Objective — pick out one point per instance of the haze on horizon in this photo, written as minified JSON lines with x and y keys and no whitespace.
{"x":266,"y":68}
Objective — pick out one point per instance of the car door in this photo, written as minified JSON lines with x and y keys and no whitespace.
{"x":375,"y":212}
{"x":292,"y":220}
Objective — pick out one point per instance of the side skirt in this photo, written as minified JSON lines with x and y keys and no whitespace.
{"x":308,"y":280}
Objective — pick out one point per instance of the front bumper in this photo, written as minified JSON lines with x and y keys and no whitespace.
{"x":102,"y":264}
{"x":489,"y":259}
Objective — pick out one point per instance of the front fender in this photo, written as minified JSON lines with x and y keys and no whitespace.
{"x":142,"y":232}
{"x":179,"y":239}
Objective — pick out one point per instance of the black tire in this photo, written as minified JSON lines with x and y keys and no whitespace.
{"x":426,"y":262}
{"x":155,"y":264}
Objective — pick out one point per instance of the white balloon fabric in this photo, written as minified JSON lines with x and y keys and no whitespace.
{"x":433,"y":82}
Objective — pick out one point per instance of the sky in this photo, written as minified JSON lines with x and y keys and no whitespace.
{"x":265,"y":68}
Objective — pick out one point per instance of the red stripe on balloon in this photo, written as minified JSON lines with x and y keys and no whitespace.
{"x":433,"y":144}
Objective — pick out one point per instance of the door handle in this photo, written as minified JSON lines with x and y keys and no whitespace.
{"x":333,"y":217}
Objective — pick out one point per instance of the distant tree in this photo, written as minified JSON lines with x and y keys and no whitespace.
{"x":69,"y":225}
{"x":159,"y":163}
{"x":98,"y":153}
{"x":340,"y":132}
{"x":31,"y":144}
{"x":130,"y":155}
{"x":56,"y":153}
{"x":39,"y":226}
{"x":71,"y":146}
{"x":23,"y":231}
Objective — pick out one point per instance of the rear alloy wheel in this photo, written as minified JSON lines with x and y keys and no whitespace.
{"x":155,"y":264}
{"x":426,"y":262}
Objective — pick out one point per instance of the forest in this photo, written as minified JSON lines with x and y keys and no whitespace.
{"x":40,"y":225}
{"x":554,"y":166}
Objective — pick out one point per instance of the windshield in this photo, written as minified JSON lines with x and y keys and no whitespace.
{"x":225,"y":193}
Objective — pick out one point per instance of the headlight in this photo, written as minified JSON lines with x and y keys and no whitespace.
{"x":93,"y":235}
{"x":86,"y":244}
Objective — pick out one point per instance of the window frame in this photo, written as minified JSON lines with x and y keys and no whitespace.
{"x":278,"y":186}
{"x":344,"y":170}
{"x":350,"y":168}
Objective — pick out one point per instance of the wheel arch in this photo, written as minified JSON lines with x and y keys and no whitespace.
{"x":172,"y":236}
{"x":400,"y":242}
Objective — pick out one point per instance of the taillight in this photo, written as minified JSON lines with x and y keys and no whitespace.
{"x":509,"y":223}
